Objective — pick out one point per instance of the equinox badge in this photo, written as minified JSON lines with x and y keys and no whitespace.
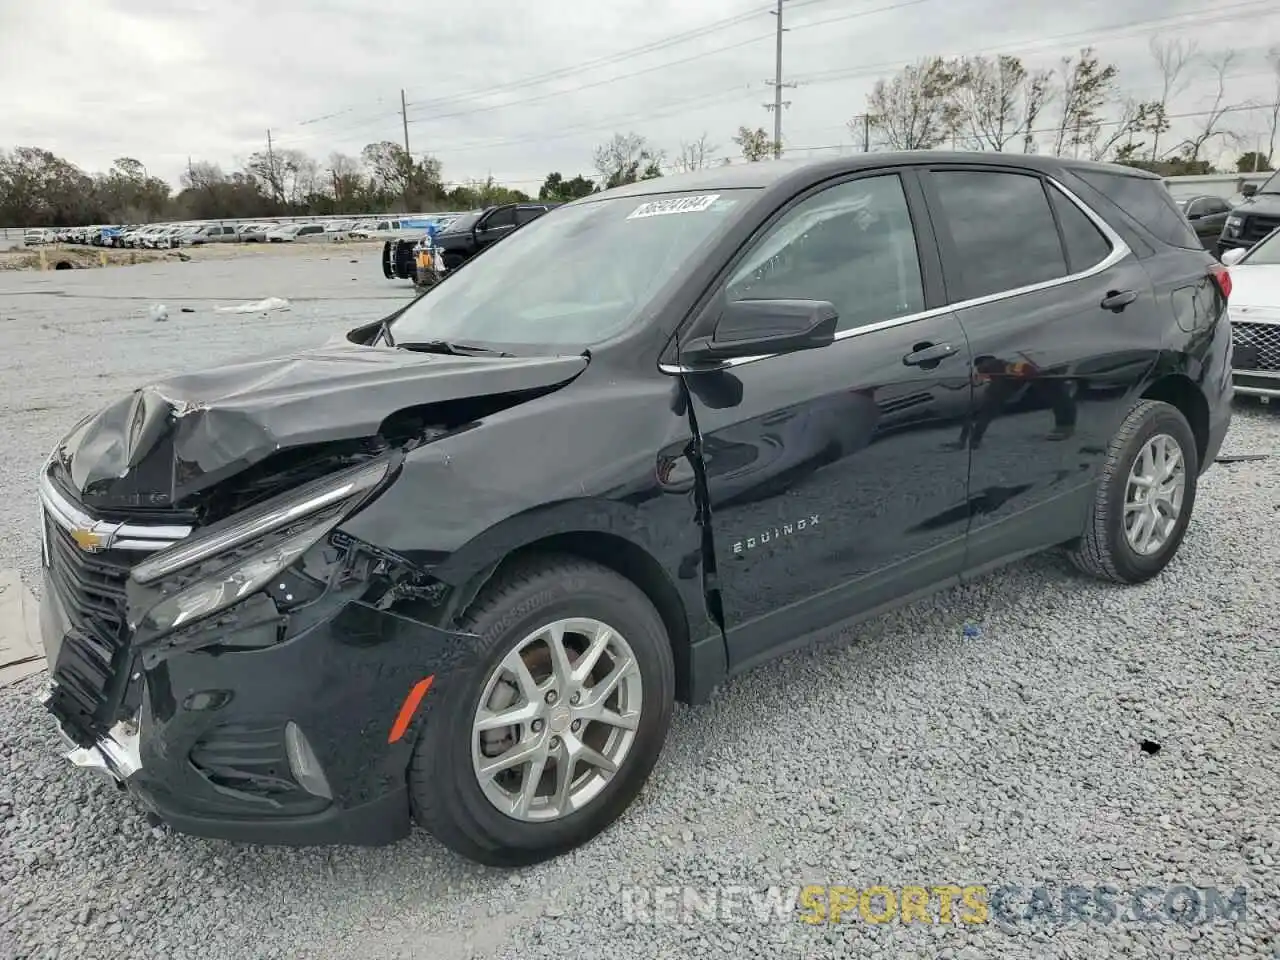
{"x":777,"y":533}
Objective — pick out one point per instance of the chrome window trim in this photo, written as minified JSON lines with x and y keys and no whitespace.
{"x":116,"y":536}
{"x":1119,"y":251}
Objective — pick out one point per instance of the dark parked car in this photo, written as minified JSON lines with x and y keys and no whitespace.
{"x":460,"y":240}
{"x":1208,"y":215}
{"x":458,"y":565}
{"x":1253,"y":219}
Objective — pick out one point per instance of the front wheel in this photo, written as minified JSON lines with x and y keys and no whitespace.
{"x":550,"y":730}
{"x":1144,"y":498}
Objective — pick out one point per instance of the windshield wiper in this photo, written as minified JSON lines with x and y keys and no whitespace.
{"x":451,"y":348}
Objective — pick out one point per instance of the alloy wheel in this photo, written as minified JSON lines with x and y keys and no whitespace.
{"x":556,"y":720}
{"x":1154,"y":494}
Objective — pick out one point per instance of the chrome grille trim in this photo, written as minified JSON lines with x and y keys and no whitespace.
{"x":144,"y":538}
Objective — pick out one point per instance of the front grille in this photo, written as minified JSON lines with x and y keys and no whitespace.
{"x":1256,"y":227}
{"x":249,"y":759}
{"x":1255,"y":346}
{"x":91,"y":587}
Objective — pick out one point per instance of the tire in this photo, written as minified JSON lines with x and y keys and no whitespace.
{"x":1104,"y":550}
{"x":445,"y":791}
{"x":386,"y":260}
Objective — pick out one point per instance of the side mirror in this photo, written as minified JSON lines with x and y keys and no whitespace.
{"x":1233,"y":256}
{"x":750,"y":328}
{"x":1249,"y":189}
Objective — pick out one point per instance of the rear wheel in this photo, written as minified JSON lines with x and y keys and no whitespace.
{"x":549,"y":732}
{"x":1144,"y":498}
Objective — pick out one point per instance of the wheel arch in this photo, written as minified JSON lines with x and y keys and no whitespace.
{"x":606,"y":542}
{"x":1180,"y":391}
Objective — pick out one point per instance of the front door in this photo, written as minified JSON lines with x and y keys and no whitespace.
{"x":1063,"y":325}
{"x":831,"y":486}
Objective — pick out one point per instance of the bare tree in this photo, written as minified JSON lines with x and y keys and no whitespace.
{"x":1273,"y":58}
{"x":1087,"y":87}
{"x":1173,"y":57}
{"x":987,"y":97}
{"x":1210,"y":127}
{"x":1134,"y":117}
{"x":1037,"y":93}
{"x":627,"y":158}
{"x":695,"y":155}
{"x":916,"y":108}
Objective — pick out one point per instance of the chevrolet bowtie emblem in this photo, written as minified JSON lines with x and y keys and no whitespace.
{"x":89,"y":541}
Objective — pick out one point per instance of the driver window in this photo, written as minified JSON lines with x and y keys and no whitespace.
{"x":852,"y":245}
{"x":501,"y":218}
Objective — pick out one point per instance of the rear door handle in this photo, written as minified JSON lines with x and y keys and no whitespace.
{"x":1117,"y":300}
{"x":928,"y":354}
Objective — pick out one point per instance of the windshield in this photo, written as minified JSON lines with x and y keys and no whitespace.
{"x":464,"y":222}
{"x":1272,"y":185}
{"x":575,"y":276}
{"x":1266,"y":252}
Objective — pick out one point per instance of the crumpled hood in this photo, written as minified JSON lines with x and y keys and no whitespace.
{"x":168,"y":440}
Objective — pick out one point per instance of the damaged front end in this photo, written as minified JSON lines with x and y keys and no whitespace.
{"x":217,"y":641}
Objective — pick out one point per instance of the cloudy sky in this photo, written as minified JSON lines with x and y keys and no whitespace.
{"x":518,"y":89}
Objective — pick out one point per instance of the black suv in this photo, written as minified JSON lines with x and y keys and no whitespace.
{"x":459,"y":566}
{"x":457,"y":243}
{"x":1256,"y":217}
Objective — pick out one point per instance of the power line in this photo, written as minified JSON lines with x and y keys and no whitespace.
{"x":1097,"y":36}
{"x":629,"y":54}
{"x":653,"y":46}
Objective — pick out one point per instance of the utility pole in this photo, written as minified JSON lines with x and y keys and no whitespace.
{"x":866,"y":133}
{"x":778,"y":85}
{"x":271,"y":166}
{"x":408,"y":157}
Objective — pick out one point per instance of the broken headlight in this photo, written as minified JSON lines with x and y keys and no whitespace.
{"x":233,"y":559}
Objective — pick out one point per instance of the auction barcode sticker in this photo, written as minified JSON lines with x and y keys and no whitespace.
{"x":660,"y":208}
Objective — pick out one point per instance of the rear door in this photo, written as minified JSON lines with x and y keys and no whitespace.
{"x":1064,"y":327}
{"x":831,"y":488}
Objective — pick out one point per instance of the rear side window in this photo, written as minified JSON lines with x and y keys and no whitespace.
{"x":1146,"y":201}
{"x":1086,"y":245}
{"x":1003,"y":229}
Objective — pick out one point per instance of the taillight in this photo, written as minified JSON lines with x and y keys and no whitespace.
{"x":1222,"y":276}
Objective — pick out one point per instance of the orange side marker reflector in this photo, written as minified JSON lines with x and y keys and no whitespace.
{"x":409,"y":708}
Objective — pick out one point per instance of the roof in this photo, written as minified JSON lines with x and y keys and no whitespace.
{"x":767,"y":172}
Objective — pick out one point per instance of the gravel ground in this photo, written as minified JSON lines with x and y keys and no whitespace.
{"x":904,"y":753}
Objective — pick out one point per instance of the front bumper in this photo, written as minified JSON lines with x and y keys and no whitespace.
{"x":204,"y":746}
{"x":1256,"y":383}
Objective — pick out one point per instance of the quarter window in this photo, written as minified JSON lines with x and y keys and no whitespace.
{"x":1147,"y":201}
{"x":1003,"y":231}
{"x":852,"y":245}
{"x":1086,"y":245}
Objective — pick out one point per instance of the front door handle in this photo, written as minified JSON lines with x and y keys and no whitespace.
{"x":1117,"y":300}
{"x":928,"y":354}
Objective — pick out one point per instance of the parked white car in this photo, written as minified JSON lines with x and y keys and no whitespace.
{"x":374,"y":228}
{"x":339,"y":229}
{"x":38,"y":236}
{"x":211,"y":233}
{"x":1255,"y":317}
{"x":296,"y":232}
